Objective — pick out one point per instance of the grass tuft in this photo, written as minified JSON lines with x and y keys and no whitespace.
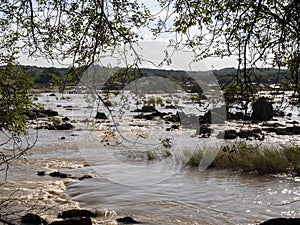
{"x":250,"y":158}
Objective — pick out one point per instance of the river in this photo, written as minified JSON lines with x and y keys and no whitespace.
{"x":162,"y":191}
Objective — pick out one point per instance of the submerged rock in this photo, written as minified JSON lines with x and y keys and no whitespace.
{"x":293,"y":130}
{"x":237,"y":116}
{"x":127,"y":220}
{"x":204,"y":130}
{"x":59,"y":174}
{"x":247,"y":134}
{"x":38,"y":113}
{"x":150,"y":116}
{"x":60,"y":126}
{"x":41,"y":173}
{"x":73,"y":213}
{"x":65,"y":119}
{"x":262,"y":110}
{"x":170,"y":107}
{"x":282,"y":221}
{"x":146,"y":109}
{"x":228,"y":134}
{"x":85,"y":177}
{"x":173,"y":127}
{"x":31,"y":218}
{"x":74,"y":221}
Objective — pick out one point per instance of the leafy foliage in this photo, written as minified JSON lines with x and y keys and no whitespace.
{"x":253,"y":31}
{"x":60,"y":29}
{"x":14,"y":102}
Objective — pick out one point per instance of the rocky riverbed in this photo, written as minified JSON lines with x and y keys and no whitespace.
{"x":57,"y":175}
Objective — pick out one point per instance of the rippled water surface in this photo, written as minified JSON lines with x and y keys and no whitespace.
{"x":193,"y":197}
{"x":183,"y":196}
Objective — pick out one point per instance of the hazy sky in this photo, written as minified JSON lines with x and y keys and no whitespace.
{"x":150,"y":51}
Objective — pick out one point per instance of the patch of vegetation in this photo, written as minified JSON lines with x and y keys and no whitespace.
{"x":159,"y":101}
{"x":167,"y":143}
{"x":151,"y":155}
{"x":166,"y":153}
{"x":195,"y":158}
{"x":169,"y":101}
{"x":151,"y":101}
{"x":54,"y":120}
{"x":250,"y":158}
{"x":108,"y":103}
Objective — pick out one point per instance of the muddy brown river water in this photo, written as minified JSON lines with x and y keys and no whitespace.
{"x":179,"y":195}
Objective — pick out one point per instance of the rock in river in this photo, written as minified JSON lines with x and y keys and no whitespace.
{"x":59,"y":174}
{"x":282,"y":221}
{"x":74,"y":221}
{"x":101,"y":115}
{"x":31,"y":218}
{"x":127,"y":220}
{"x":76,"y":213}
{"x":262,"y":110}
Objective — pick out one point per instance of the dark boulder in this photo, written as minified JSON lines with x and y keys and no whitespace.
{"x":31,"y":218}
{"x":65,"y":119}
{"x":206,"y":118}
{"x":77,"y":221}
{"x":245,"y":133}
{"x":101,"y":115}
{"x":237,"y":116}
{"x":262,"y":110}
{"x":204,"y":130}
{"x":170,"y":107}
{"x":73,"y":213}
{"x":41,"y":173}
{"x":148,"y":108}
{"x":282,"y":221}
{"x":150,"y":116}
{"x":228,"y":134}
{"x":127,"y":220}
{"x":61,"y":126}
{"x":173,"y":127}
{"x":49,"y":112}
{"x":59,"y":174}
{"x":85,"y":177}
{"x":293,"y":130}
{"x":38,"y":113}
{"x":281,"y":131}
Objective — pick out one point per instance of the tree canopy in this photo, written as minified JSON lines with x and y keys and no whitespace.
{"x":252,"y":30}
{"x":60,"y":29}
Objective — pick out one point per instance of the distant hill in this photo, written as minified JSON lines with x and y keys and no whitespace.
{"x":45,"y":76}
